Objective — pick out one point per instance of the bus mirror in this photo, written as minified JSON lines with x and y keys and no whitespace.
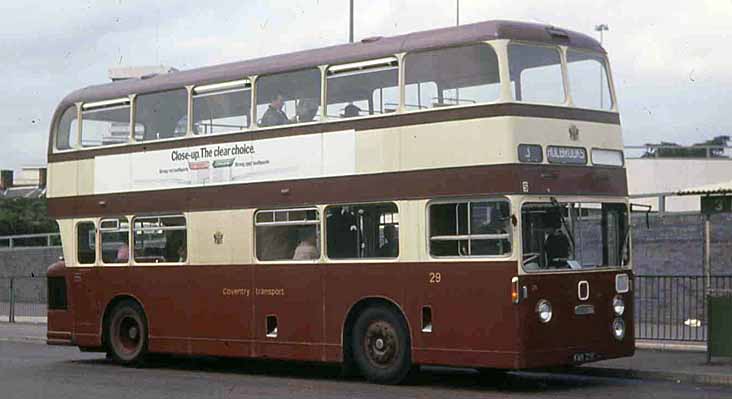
{"x":644,"y":208}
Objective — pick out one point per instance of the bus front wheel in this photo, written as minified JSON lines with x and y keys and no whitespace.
{"x":126,"y":334}
{"x":381,"y":347}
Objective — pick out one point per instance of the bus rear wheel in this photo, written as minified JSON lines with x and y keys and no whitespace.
{"x":126,"y":334}
{"x":381,"y":347}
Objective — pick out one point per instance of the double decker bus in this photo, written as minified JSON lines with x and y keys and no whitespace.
{"x":449,"y":197}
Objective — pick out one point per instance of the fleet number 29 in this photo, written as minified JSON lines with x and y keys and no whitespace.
{"x":435,"y":278}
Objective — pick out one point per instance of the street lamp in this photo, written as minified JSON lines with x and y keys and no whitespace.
{"x":601,"y":28}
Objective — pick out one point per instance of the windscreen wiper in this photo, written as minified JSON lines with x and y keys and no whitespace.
{"x":564,"y":222}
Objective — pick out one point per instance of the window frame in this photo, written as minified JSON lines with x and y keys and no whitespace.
{"x":318,"y":223}
{"x":562,"y":50}
{"x":498,"y":50}
{"x":94,"y":223}
{"x":212,"y":89}
{"x":73,"y":146}
{"x":510,"y":234}
{"x":105,"y":105}
{"x":608,"y":77}
{"x":134,"y":98}
{"x":133,"y":261}
{"x":324,"y":234}
{"x":254,"y":82}
{"x":101,"y":261}
{"x":366,"y":65}
{"x":541,"y":199}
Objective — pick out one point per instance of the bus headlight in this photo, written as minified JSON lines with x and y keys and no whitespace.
{"x":619,"y":329}
{"x":618,"y":305}
{"x":544,"y":309}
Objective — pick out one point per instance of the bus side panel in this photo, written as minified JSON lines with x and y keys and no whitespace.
{"x":85,"y":305}
{"x":164,"y":294}
{"x":221,"y":313}
{"x":348,"y":283}
{"x":291,"y":295}
{"x":473,"y":321}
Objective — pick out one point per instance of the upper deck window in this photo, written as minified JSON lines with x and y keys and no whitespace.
{"x":221,"y":108}
{"x":105,"y":123}
{"x":363,"y":88}
{"x":536,"y":73}
{"x":161,"y":115}
{"x":67,"y":131}
{"x":290,"y":97}
{"x":451,"y":76}
{"x":588,"y":80}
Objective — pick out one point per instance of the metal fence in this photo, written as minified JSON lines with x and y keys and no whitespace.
{"x":30,"y":241}
{"x":673,"y":308}
{"x":23,"y":299}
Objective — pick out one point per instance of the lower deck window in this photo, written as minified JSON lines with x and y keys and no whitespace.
{"x":115,"y":240}
{"x":362,"y":231}
{"x":160,"y":239}
{"x":573,"y":235}
{"x":470,"y":228}
{"x":288,"y":234}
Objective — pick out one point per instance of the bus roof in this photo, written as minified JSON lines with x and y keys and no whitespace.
{"x":344,"y":53}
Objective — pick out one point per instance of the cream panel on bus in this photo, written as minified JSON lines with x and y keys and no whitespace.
{"x":457,"y":143}
{"x":378,"y":151}
{"x":220,"y":237}
{"x":86,"y":177}
{"x":62,"y":179}
{"x":546,"y":131}
{"x":68,"y":240}
{"x":412,"y":231}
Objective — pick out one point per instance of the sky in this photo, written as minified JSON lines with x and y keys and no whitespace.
{"x":670,"y":59}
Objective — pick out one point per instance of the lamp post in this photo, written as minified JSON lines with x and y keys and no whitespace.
{"x":350,"y":26}
{"x":601,"y":28}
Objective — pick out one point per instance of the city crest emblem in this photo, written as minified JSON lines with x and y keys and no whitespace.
{"x":218,"y":238}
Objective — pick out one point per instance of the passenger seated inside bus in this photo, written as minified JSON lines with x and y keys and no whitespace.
{"x":274,"y":115}
{"x":390,"y":247}
{"x":351,"y":111}
{"x":307,"y":248}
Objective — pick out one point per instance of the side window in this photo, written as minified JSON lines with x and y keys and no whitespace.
{"x":160,"y":239}
{"x":105,"y":125}
{"x":161,"y":115}
{"x":536,"y":73}
{"x":67,"y":130}
{"x":288,"y":234}
{"x":362,"y":231}
{"x":363,"y":88}
{"x":286,"y":98}
{"x":588,"y":80}
{"x":86,"y":243}
{"x":115,"y":240}
{"x":452,"y":76}
{"x":470,"y":228}
{"x":221,"y":107}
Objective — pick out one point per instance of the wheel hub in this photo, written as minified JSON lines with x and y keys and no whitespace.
{"x":381,"y":343}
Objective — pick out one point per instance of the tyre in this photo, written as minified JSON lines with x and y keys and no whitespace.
{"x":126,"y":334}
{"x":381,"y":346}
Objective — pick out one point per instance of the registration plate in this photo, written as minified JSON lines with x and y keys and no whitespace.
{"x":584,"y":357}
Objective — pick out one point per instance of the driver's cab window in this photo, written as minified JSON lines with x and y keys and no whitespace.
{"x":574,"y":235}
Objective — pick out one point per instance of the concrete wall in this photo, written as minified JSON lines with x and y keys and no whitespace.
{"x":27,"y":261}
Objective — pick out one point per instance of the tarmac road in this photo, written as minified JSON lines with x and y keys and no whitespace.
{"x":32,"y":370}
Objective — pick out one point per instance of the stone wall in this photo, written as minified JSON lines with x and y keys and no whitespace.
{"x":674,"y":244}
